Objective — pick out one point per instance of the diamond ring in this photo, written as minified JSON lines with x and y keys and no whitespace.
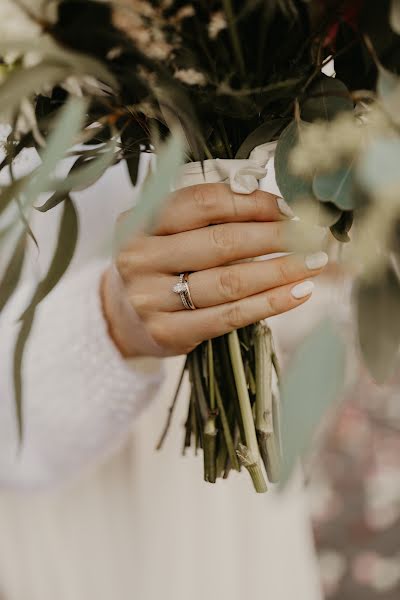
{"x":182,"y":288}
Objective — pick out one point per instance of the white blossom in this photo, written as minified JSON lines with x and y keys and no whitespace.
{"x":217,"y":23}
{"x":190,"y":77}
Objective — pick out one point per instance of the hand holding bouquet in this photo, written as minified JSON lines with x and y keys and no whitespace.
{"x":231,"y":77}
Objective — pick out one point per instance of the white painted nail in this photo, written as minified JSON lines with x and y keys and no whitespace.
{"x":301,"y":290}
{"x":284,"y":208}
{"x":318,"y":260}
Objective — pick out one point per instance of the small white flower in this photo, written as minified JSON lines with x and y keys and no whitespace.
{"x":190,"y":77}
{"x":217,"y":23}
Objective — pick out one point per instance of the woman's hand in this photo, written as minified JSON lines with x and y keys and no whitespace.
{"x":202,"y":230}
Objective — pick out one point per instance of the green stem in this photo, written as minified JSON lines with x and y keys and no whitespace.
{"x":267,"y":440}
{"x":230,"y":17}
{"x":249,"y":454}
{"x":225,"y":428}
{"x":171,"y":409}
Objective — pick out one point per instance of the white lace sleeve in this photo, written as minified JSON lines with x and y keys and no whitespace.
{"x":80,"y":396}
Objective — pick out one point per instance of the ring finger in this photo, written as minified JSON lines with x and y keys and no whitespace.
{"x":226,"y":284}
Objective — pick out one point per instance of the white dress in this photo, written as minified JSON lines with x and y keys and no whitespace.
{"x":88,"y":509}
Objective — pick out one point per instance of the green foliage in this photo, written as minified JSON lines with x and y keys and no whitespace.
{"x":312,"y":384}
{"x":66,"y":244}
{"x":154,"y":193}
{"x":291,"y":186}
{"x":326,"y":98}
{"x":336,"y":187}
{"x":377,"y":304}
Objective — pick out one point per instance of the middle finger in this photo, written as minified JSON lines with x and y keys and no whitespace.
{"x":220,"y":244}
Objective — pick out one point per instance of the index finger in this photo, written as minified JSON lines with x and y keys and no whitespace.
{"x":205,"y":204}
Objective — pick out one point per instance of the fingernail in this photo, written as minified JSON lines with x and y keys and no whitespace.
{"x":301,"y":290}
{"x":284,"y":208}
{"x":316,"y":260}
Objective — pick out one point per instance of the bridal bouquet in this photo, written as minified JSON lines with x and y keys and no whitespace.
{"x":117,"y":77}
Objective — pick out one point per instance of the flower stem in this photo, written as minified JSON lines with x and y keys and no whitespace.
{"x":227,"y":432}
{"x":249,"y":453}
{"x":230,"y":17}
{"x":265,"y":427}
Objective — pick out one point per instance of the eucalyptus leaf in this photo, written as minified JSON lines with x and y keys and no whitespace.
{"x":263,"y":134}
{"x":336,"y":187}
{"x":340,"y":230}
{"x":66,"y":127}
{"x":312,"y":384}
{"x":378,"y":166}
{"x":12,"y":273}
{"x":54,"y":200}
{"x":66,"y":244}
{"x":23,"y":83}
{"x":154,"y":192}
{"x":86,"y":176}
{"x":378,"y":309}
{"x":291,"y":186}
{"x":23,"y":335}
{"x":11,"y":192}
{"x":326,"y":98}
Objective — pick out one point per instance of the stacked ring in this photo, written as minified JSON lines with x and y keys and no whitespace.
{"x":182,"y":288}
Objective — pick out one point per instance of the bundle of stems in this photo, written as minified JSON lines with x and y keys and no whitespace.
{"x":234,"y":414}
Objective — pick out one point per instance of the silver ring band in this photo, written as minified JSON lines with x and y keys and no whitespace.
{"x":182,"y":288}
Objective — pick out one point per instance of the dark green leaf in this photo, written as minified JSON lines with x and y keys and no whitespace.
{"x":378,"y":309}
{"x":11,"y":192}
{"x":19,"y":350}
{"x":313,"y":382}
{"x":52,"y":202}
{"x":336,"y":187}
{"x":13,"y":271}
{"x":326,"y":98}
{"x":329,"y":214}
{"x":263,"y":134}
{"x":66,"y":244}
{"x":154,"y":192}
{"x":340,"y":230}
{"x":133,"y":167}
{"x":85,"y":176}
{"x":67,"y":124}
{"x":291,"y":186}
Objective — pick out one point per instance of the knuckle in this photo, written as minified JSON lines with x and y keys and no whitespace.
{"x":234,"y":317}
{"x":223,"y":238}
{"x":282,"y":272}
{"x":124,"y":265}
{"x":273,"y":305}
{"x":230,"y":283}
{"x":204,"y":199}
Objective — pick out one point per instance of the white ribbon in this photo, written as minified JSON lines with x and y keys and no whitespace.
{"x":243,"y":175}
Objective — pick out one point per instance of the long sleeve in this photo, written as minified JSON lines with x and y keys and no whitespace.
{"x":80,"y":396}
